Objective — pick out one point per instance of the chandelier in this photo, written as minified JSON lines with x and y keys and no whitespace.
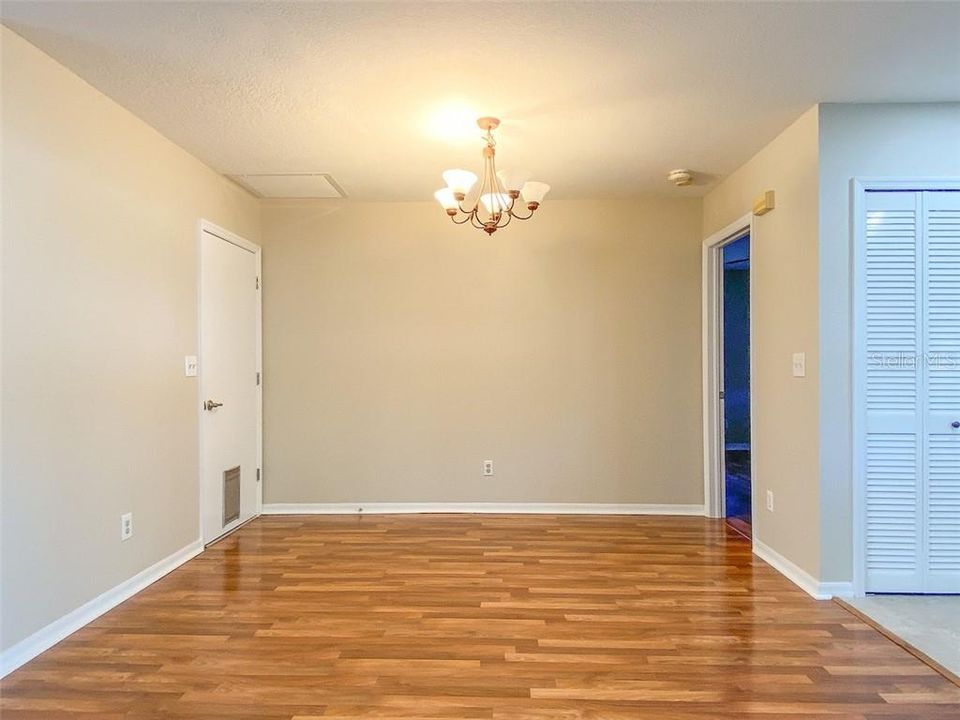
{"x":498,"y":193}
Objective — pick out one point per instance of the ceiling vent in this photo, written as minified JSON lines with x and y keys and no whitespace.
{"x":291,"y":185}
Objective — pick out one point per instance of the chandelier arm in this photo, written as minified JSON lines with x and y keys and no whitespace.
{"x":522,"y":217}
{"x":509,"y":218}
{"x":483,"y":184}
{"x":492,"y":187}
{"x":497,"y":177}
{"x":466,"y":219}
{"x":499,"y":190}
{"x":475,"y":221}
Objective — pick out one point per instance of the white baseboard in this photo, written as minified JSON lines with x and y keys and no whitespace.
{"x":47,"y":637}
{"x":479,"y":507}
{"x":837,"y":589}
{"x":800,"y":577}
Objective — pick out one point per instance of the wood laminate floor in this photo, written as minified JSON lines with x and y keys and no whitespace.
{"x":459,"y":616}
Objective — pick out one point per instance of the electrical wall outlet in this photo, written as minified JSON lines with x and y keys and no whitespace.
{"x":770,"y":500}
{"x":126,"y":526}
{"x":488,"y":467}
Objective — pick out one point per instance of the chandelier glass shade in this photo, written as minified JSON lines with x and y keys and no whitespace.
{"x":495,"y":203}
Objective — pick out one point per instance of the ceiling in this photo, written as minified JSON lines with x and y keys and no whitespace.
{"x":596,"y":98}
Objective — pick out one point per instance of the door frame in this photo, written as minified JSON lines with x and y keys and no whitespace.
{"x":712,"y":326}
{"x":859,"y":187}
{"x":205,"y":226}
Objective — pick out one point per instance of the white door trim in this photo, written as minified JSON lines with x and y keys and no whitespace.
{"x":223,"y":234}
{"x":859,"y":186}
{"x":712,"y":328}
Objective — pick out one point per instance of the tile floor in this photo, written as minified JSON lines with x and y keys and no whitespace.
{"x":930,"y":623}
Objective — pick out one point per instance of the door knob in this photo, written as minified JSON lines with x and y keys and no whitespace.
{"x":955,"y":424}
{"x":211,"y":405}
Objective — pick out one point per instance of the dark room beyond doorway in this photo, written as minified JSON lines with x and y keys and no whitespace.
{"x":736,"y":383}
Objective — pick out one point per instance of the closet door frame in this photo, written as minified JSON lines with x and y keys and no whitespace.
{"x":859,"y":187}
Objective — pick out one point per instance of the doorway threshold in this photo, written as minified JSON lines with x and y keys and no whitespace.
{"x":740,"y":526}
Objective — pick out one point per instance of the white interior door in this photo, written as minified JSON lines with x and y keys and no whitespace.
{"x":229,"y":382}
{"x":940,"y":212}
{"x":892,"y":314}
{"x":909,"y":310}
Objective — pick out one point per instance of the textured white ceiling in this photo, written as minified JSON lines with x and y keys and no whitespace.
{"x":596,"y":98}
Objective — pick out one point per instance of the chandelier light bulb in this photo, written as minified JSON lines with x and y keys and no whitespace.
{"x":460,"y":182}
{"x":445,"y":197}
{"x":533,"y":193}
{"x":513,"y":180}
{"x":495,"y":202}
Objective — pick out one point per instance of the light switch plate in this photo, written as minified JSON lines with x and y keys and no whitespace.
{"x":799,"y":365}
{"x":190,"y":365}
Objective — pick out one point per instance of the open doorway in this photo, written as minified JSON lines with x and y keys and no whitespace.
{"x":735,"y":383}
{"x":727,"y":371}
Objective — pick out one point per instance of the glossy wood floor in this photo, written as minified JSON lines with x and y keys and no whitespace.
{"x":508,"y":617}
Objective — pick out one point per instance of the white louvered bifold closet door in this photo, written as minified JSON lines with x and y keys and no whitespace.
{"x":941,"y":226}
{"x":893,"y":470}
{"x":911,"y":317}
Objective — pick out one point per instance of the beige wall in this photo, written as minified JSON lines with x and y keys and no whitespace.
{"x":894,"y":141}
{"x":99,"y":288}
{"x":784,"y":306}
{"x":401,"y":352}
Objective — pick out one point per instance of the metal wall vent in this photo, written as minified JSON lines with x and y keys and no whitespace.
{"x":291,"y":185}
{"x":231,"y":495}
